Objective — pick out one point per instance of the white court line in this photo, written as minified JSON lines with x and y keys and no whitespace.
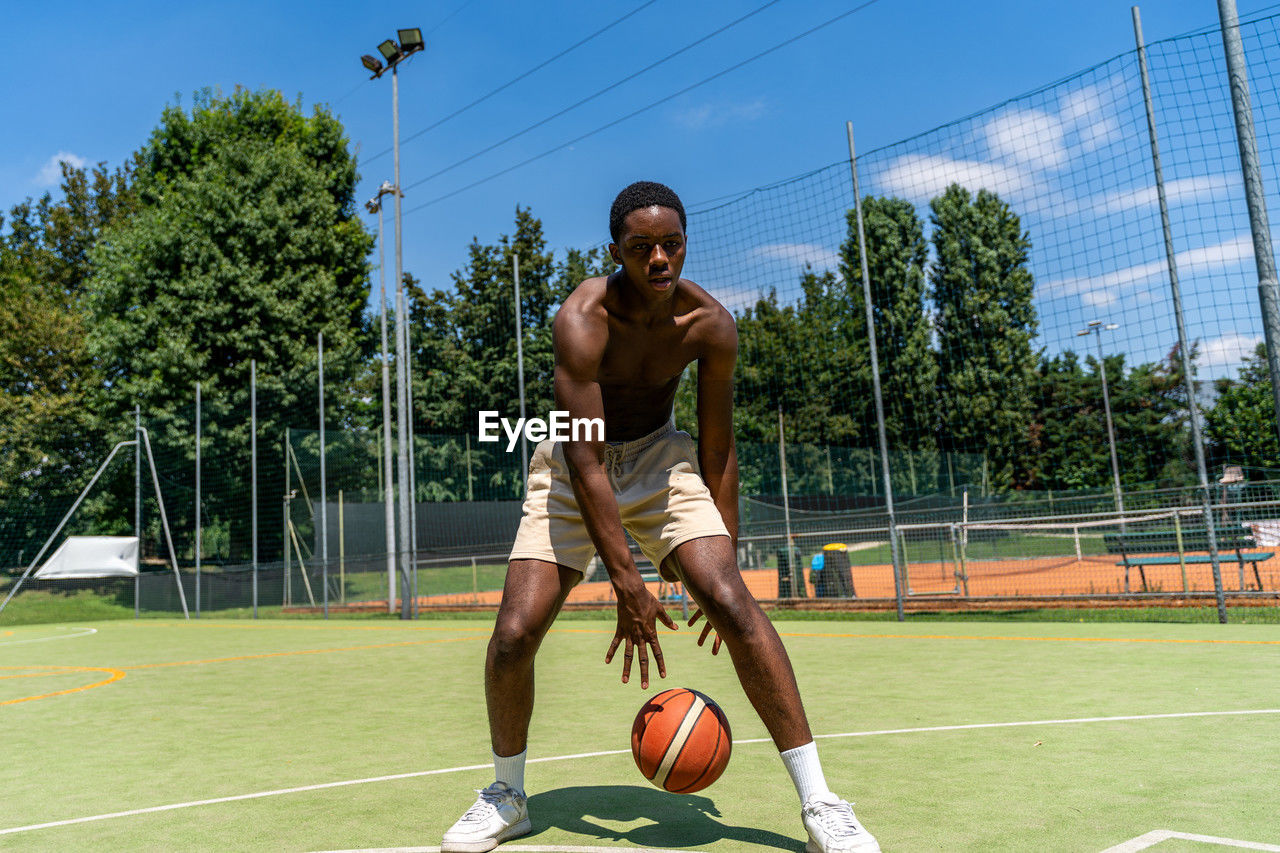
{"x":1151,"y":839}
{"x":488,"y":765}
{"x":526,"y":848}
{"x":84,"y":632}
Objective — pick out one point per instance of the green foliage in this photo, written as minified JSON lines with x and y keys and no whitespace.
{"x":245,"y":246}
{"x":50,"y":431}
{"x":981,"y":289}
{"x":896,"y":257}
{"x":465,"y":356}
{"x":1241,"y":426}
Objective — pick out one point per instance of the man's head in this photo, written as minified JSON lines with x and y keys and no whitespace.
{"x":639,"y":195}
{"x":647,"y":224}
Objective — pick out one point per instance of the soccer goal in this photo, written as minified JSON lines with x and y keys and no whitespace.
{"x":85,"y":557}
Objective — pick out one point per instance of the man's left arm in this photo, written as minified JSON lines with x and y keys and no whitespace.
{"x":717,"y":454}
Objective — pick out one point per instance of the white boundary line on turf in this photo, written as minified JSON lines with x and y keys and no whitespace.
{"x":84,"y":632}
{"x":488,"y":765}
{"x":1156,"y":836}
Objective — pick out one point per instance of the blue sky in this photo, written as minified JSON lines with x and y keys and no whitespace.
{"x":87,"y":81}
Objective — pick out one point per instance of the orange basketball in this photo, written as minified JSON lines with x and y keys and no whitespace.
{"x":681,"y":740}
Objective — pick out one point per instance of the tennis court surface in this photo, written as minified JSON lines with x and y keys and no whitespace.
{"x":357,"y":735}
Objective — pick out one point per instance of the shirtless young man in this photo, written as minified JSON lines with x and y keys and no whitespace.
{"x":622,"y":344}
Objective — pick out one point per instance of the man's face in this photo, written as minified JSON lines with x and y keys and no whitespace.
{"x":651,"y":249}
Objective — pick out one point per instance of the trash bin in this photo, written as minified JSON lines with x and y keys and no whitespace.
{"x":790,"y":579}
{"x":836,"y":575}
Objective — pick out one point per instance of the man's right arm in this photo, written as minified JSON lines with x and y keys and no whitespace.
{"x":579,"y":342}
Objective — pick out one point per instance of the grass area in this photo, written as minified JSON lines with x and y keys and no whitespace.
{"x":357,"y":734}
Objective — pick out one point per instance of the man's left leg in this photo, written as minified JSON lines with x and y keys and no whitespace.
{"x":709,"y":570}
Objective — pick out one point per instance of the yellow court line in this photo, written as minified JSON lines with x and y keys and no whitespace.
{"x":265,"y":655}
{"x":116,"y":675}
{"x":972,"y":637}
{"x":1036,"y":639}
{"x":7,"y":634}
{"x":199,"y":623}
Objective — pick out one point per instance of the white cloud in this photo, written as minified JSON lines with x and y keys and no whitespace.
{"x":1106,"y":289}
{"x":922,"y":177}
{"x":818,"y":257}
{"x":1227,"y":351}
{"x":1085,"y":119}
{"x":51,"y":173}
{"x":717,"y":114}
{"x":1028,"y":137}
{"x":1181,"y":191}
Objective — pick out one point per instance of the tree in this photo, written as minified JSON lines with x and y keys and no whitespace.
{"x":465,"y":342}
{"x":245,"y":245}
{"x":908,"y":367}
{"x":1241,"y":426}
{"x":981,"y":291}
{"x":50,"y":430}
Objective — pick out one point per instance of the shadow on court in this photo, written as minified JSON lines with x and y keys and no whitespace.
{"x":644,"y":817}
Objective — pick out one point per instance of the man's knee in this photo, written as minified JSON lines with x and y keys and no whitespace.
{"x":515,"y":639}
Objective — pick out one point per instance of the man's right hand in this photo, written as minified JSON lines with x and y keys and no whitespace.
{"x":638,"y":612}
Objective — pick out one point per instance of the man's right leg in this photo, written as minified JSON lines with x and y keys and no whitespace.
{"x":531,"y":598}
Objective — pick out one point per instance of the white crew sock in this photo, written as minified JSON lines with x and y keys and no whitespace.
{"x":510,"y":769}
{"x":806,"y":771}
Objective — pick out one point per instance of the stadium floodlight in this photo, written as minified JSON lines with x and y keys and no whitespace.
{"x":411,"y":40}
{"x":1096,"y":328}
{"x":390,"y":51}
{"x":373,"y":64}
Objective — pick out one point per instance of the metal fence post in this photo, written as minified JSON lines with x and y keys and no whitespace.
{"x":875,"y":382}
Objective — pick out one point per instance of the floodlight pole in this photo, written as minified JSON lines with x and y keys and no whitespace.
{"x":395,"y":53}
{"x":1183,"y":350}
{"x":1096,"y":328}
{"x":524,"y":442}
{"x":402,"y":373}
{"x":388,"y":502}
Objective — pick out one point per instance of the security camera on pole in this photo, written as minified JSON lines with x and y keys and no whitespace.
{"x":409,"y":44}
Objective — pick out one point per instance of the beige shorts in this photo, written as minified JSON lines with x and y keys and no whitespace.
{"x":661,"y":497}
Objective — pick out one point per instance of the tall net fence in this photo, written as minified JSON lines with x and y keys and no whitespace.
{"x":1024,"y":323}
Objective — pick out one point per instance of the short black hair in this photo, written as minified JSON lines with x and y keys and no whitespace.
{"x":642,"y":194}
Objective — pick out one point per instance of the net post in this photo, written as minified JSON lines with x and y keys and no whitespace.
{"x":1183,"y":350}
{"x":1254,"y":194}
{"x":1182,"y":555}
{"x":137,"y":503}
{"x":253,"y":473}
{"x":197,"y":519}
{"x":898,"y":577}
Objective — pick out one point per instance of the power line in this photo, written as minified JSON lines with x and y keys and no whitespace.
{"x":440,"y":23}
{"x":644,"y":109}
{"x":594,"y":95}
{"x":515,"y":79}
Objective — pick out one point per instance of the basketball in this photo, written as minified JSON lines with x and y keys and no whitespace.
{"x":681,"y":740}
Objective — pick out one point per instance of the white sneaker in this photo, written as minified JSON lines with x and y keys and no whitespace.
{"x":500,"y":813}
{"x":833,"y":828}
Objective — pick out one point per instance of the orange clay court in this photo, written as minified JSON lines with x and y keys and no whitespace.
{"x":1033,"y":576}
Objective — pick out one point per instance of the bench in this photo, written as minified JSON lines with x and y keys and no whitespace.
{"x":1151,"y":548}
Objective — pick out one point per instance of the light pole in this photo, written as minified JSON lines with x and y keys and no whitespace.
{"x":1096,"y":328}
{"x":410,"y":43}
{"x":375,"y":206}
